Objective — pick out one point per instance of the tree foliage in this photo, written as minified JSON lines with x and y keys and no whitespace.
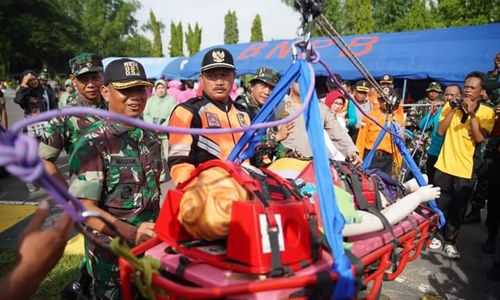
{"x":156,"y":27}
{"x":366,"y":16}
{"x":388,"y":13}
{"x":256,"y":34}
{"x":38,"y":34}
{"x":193,"y":39}
{"x":361,"y":21}
{"x":176,"y":40}
{"x":231,"y":33}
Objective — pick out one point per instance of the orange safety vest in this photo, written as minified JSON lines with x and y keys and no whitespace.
{"x":188,"y":151}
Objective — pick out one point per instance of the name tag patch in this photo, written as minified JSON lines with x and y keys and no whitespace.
{"x":124,"y":161}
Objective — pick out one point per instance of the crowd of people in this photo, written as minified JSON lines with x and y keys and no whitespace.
{"x":117,"y":169}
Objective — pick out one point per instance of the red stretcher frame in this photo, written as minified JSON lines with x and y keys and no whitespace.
{"x":411,"y":245}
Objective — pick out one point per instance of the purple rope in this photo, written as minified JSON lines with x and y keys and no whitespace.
{"x":81,"y":111}
{"x":19,"y":152}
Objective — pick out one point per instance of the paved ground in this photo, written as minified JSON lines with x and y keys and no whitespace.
{"x":431,"y":274}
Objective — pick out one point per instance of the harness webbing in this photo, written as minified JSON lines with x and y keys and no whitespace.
{"x":408,"y":159}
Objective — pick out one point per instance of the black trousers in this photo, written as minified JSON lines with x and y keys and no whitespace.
{"x":455,"y":195}
{"x":429,"y":166}
{"x":493,"y":205}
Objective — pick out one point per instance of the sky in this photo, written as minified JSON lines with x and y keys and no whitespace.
{"x":278,"y":20}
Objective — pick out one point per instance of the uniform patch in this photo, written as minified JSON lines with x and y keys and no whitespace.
{"x":212,"y":120}
{"x":241,"y":119}
{"x":124,"y":161}
{"x":131,"y":68}
{"x":218,"y":56}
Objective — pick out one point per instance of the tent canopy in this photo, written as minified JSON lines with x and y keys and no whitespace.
{"x":152,"y":65}
{"x":173,"y":69}
{"x":446,"y":54}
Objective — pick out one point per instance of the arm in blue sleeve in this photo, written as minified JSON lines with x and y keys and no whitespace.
{"x":351,"y":114}
{"x":430,"y":123}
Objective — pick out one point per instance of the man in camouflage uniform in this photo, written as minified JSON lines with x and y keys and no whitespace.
{"x":62,"y":132}
{"x":430,"y":102}
{"x":420,"y":141}
{"x":261,"y":87}
{"x":115,"y":171}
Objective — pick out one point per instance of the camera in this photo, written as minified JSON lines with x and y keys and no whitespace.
{"x":454,"y":103}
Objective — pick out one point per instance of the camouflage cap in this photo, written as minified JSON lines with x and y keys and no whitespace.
{"x":68,"y":82}
{"x":363,"y":86}
{"x":268,"y":76}
{"x":434,"y":87}
{"x":85,"y":63}
{"x":44,"y":75}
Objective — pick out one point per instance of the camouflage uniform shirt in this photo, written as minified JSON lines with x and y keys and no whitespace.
{"x":119,"y":167}
{"x":62,"y":132}
{"x":250,"y":105}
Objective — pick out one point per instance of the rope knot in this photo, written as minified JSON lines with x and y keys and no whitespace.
{"x":19,"y":155}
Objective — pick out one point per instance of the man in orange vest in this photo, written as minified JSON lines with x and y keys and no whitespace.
{"x":368,"y":133}
{"x":213,"y":109}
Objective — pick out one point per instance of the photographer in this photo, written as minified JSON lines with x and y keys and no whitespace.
{"x":465,"y":125}
{"x":30,"y":85}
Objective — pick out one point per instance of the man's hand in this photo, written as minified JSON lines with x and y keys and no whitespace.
{"x":38,"y":252}
{"x":144,"y":232}
{"x":355,"y":159}
{"x":284,"y":131}
{"x":468,"y":106}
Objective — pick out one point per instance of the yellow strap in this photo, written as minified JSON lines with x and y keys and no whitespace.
{"x":144,"y":267}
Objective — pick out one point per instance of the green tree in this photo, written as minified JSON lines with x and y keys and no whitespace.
{"x":359,"y":17}
{"x":193,"y":39}
{"x":231,"y":28}
{"x":333,"y":12}
{"x":156,"y":27}
{"x":468,"y":12}
{"x":256,"y":35}
{"x":106,"y":24}
{"x":418,"y":17}
{"x":176,"y":40}
{"x":138,"y":45}
{"x":36,"y":34}
{"x":386,"y":13}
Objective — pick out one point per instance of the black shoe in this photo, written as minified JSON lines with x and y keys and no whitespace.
{"x":71,"y":291}
{"x":472,"y":218}
{"x":488,"y":246}
{"x":494,"y":272}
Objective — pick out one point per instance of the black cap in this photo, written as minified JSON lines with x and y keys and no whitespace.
{"x":217,"y":58}
{"x":124,"y":73}
{"x":330,"y":83}
{"x":387,"y":79}
{"x":363,"y":86}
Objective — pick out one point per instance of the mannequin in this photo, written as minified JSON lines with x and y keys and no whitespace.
{"x":205,"y":209}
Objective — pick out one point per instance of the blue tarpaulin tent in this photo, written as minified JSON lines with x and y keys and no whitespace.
{"x":173,"y":69}
{"x":152,"y":65}
{"x":446,"y":54}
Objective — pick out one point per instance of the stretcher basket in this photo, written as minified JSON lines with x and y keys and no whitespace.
{"x":380,"y":258}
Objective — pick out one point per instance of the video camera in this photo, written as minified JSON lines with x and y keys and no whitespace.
{"x":457,"y":102}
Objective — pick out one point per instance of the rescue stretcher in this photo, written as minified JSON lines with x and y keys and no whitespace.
{"x":379,"y":259}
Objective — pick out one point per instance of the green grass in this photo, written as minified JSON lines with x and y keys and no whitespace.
{"x":65,"y":271}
